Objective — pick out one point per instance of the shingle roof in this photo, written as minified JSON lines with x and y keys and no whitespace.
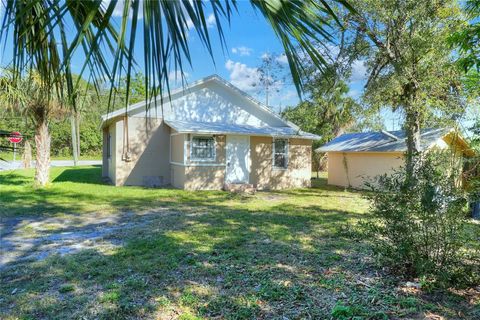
{"x":379,"y":141}
{"x":226,"y":128}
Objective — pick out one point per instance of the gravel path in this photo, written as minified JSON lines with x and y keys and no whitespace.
{"x":33,"y":239}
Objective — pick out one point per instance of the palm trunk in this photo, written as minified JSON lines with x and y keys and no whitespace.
{"x":77,"y":124}
{"x":74,"y":140}
{"x":412,"y":128}
{"x":42,"y":143}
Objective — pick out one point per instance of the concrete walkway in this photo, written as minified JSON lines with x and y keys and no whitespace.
{"x":10,"y":165}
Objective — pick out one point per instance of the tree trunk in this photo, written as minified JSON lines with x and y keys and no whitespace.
{"x":27,"y":155}
{"x":77,"y":124}
{"x":42,"y":143}
{"x":74,"y":139}
{"x":412,"y":129}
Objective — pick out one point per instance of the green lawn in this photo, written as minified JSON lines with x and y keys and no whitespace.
{"x":8,"y":156}
{"x":202,"y":255}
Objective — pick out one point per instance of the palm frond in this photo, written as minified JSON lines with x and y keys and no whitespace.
{"x":47,"y":33}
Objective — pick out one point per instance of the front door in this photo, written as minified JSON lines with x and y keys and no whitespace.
{"x":238,"y":159}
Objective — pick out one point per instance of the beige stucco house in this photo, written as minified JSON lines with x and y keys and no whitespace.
{"x":355,"y":158}
{"x":207,"y":135}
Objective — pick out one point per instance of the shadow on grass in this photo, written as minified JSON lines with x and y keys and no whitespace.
{"x":212,"y":262}
{"x":200,"y":256}
{"x":208,"y":260}
{"x":92,"y":175}
{"x":15,"y":179}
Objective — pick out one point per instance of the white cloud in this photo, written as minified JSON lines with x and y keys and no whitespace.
{"x":242,"y":51}
{"x":359,"y":71}
{"x":248,"y":79}
{"x":265,"y":55}
{"x":175,"y":77}
{"x":282,"y":58}
{"x":118,"y":10}
{"x":190,"y":24}
{"x":244,"y":77}
{"x":211,"y":21}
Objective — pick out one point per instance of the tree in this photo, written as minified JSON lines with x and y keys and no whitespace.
{"x":329,"y":109}
{"x":467,"y":40}
{"x":28,"y":96}
{"x":271,"y":75}
{"x":37,"y":30}
{"x":410,"y":61}
{"x":327,"y":115}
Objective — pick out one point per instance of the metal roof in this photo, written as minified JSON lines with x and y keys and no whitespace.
{"x":383,"y":141}
{"x":228,"y":128}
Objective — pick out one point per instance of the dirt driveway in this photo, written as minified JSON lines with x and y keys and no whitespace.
{"x":33,"y":239}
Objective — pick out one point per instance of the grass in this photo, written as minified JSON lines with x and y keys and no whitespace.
{"x":274,"y":255}
{"x":8,"y":156}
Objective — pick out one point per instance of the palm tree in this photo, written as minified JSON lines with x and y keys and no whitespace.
{"x":28,"y":97}
{"x":44,"y":35}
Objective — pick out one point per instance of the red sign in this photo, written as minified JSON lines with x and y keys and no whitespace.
{"x":15,"y":137}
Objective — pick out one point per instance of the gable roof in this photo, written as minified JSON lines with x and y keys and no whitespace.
{"x":383,"y":141}
{"x":190,"y":87}
{"x":285,"y":129}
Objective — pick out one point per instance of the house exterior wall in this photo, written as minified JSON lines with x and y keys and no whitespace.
{"x":176,"y":147}
{"x":105,"y":153}
{"x":149,"y":141}
{"x":109,"y":160}
{"x":197,"y":175}
{"x":362,"y":166}
{"x":350,"y":169}
{"x":298,"y":172}
{"x":160,"y":156}
{"x":194,"y":175}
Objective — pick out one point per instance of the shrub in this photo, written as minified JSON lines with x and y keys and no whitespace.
{"x":419,"y":229}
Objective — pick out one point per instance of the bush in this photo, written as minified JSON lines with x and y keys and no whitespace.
{"x":419,"y":229}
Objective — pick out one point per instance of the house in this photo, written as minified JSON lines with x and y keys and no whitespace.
{"x":207,"y":135}
{"x":353,"y":158}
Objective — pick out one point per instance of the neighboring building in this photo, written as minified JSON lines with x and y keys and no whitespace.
{"x":205,"y":136}
{"x":354,"y":158}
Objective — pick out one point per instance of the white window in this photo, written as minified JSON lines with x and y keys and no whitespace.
{"x":202,"y":148}
{"x":280,"y":153}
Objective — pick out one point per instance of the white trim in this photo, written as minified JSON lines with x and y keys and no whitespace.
{"x":198,"y":164}
{"x":175,"y":133}
{"x":191,"y":159}
{"x":287,"y":154}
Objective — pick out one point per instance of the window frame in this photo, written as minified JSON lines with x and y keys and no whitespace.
{"x":286,"y":154}
{"x":214,"y":154}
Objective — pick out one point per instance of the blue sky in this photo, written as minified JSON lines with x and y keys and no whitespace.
{"x":248,"y":38}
